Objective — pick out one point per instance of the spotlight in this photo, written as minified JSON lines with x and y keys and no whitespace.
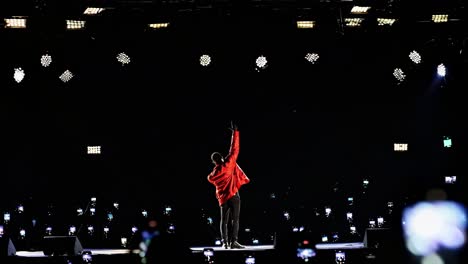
{"x":167,"y":210}
{"x":272,"y":196}
{"x":48,"y":231}
{"x":305,"y":24}
{"x":324,"y":239}
{"x":205,"y":60}
{"x":66,"y":76}
{"x":312,"y":57}
{"x":415,"y":57}
{"x":210,"y":220}
{"x":79,"y":211}
{"x":6,"y":217}
{"x":144,"y":213}
{"x":116,"y":205}
{"x":20,"y":209}
{"x":15,"y":22}
{"x":46,"y":60}
{"x":1,"y":231}
{"x":106,"y":230}
{"x":352,"y":229}
{"x":87,"y":256}
{"x":22,"y":233}
{"x":328,"y":211}
{"x":335,"y":237}
{"x":349,"y":217}
{"x":93,"y":199}
{"x":350,"y":200}
{"x":75,"y":24}
{"x":385,"y":21}
{"x":218,"y":242}
{"x":134,"y":229}
{"x":209,"y":254}
{"x":71,"y":230}
{"x":340,"y":257}
{"x":18,"y":75}
{"x":123,"y":58}
{"x":123,"y":241}
{"x":380,"y":221}
{"x":93,"y":10}
{"x":450,"y":179}
{"x":400,"y":147}
{"x":92,"y":211}
{"x":261,"y":63}
{"x":441,"y":70}
{"x":250,"y":259}
{"x":305,"y":253}
{"x":399,"y":74}
{"x":365,"y":183}
{"x":372,"y":223}
{"x":447,"y":142}
{"x":286,"y":215}
{"x":94,"y":149}
{"x":110,"y":216}
{"x":439,"y":18}
{"x":90,"y":230}
{"x":171,"y":228}
{"x":255,"y":241}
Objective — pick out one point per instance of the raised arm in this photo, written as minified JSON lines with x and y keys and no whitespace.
{"x":231,"y":158}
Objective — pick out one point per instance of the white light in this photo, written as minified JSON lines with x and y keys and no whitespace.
{"x":93,"y":10}
{"x":18,"y":75}
{"x":20,"y":209}
{"x":400,"y":147}
{"x":440,"y":18}
{"x":116,"y":205}
{"x":94,"y":149}
{"x":352,"y":229}
{"x":205,"y":60}
{"x":360,"y":10}
{"x":349,"y":216}
{"x":312,"y":57}
{"x":1,"y":231}
{"x":49,"y":230}
{"x":66,"y":76}
{"x":450,"y":179}
{"x":144,"y":213}
{"x":6,"y":217}
{"x":79,"y":211}
{"x":327,"y":211}
{"x":353,"y":22}
{"x":399,"y":74}
{"x":93,"y":199}
{"x":15,"y":22}
{"x":106,"y":230}
{"x":134,"y":229}
{"x":432,"y":259}
{"x":123,"y":58}
{"x":286,"y":215}
{"x":261,"y":62}
{"x":385,"y":21}
{"x":217,"y":242}
{"x":92,"y":210}
{"x":72,"y":230}
{"x":46,"y":60}
{"x":158,"y":25}
{"x":371,"y":223}
{"x":324,"y":239}
{"x":305,"y":24}
{"x":415,"y":57}
{"x":75,"y":24}
{"x":22,"y":233}
{"x":441,"y":70}
{"x":90,"y":230}
{"x":123,"y":241}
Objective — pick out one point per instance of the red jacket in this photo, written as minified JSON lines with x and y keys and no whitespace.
{"x":228,"y":177}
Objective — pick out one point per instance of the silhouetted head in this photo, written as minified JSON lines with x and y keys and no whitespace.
{"x":217,"y":158}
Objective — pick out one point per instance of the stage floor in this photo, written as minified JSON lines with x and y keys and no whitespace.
{"x":321,"y":246}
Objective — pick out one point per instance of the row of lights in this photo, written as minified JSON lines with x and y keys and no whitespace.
{"x":416,"y":58}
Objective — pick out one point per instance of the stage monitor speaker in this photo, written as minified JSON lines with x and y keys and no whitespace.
{"x":62,"y":245}
{"x":376,"y":237}
{"x":7,"y":248}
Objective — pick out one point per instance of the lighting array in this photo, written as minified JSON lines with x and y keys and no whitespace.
{"x":75,"y":24}
{"x":305,"y":24}
{"x":66,"y":76}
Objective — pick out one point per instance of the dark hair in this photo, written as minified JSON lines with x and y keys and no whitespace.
{"x":216,"y":157}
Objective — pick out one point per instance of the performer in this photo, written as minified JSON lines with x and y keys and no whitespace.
{"x":228,"y":177}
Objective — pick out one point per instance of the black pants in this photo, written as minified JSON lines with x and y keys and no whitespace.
{"x":230,"y":219}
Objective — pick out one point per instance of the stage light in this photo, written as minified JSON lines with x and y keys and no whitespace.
{"x":371,"y":223}
{"x":350,"y":200}
{"x":365,"y":183}
{"x":431,"y":226}
{"x":94,"y":150}
{"x":261,"y":62}
{"x":353,"y":22}
{"x":22,"y":233}
{"x":385,"y":21}
{"x":110,"y":216}
{"x":447,"y":142}
{"x":144,"y":213}
{"x":90,"y":230}
{"x":123,"y":241}
{"x":250,"y":259}
{"x":20,"y":209}
{"x":295,"y":229}
{"x":328,"y":211}
{"x":15,"y":22}
{"x":272,"y":196}
{"x":93,"y":10}
{"x":305,"y":24}
{"x":441,"y":70}
{"x":93,"y":200}
{"x":352,"y":229}
{"x":66,"y":76}
{"x":349,"y":217}
{"x":255,"y":241}
{"x":6,"y":217}
{"x":440,"y":18}
{"x":134,"y":229}
{"x":390,"y":207}
{"x":415,"y":57}
{"x":48,"y":231}
{"x":79,"y":211}
{"x":1,"y":231}
{"x":218,"y":242}
{"x":400,"y":147}
{"x":340,"y":257}
{"x":171,"y":228}
{"x":46,"y":60}
{"x":75,"y":24}
{"x":432,"y":259}
{"x":87,"y":256}
{"x":92,"y":211}
{"x":324,"y":238}
{"x":116,"y":205}
{"x":450,"y":179}
{"x":167,"y":210}
{"x":18,"y":75}
{"x":71,"y":230}
{"x":380,"y":221}
{"x":286,"y":215}
{"x":205,"y":60}
{"x":305,"y":253}
{"x":106,"y":230}
{"x":335,"y":237}
{"x":209,"y":220}
{"x":312,"y":57}
{"x":209,"y":254}
{"x":399,"y":74}
{"x":123,"y":58}
{"x":158,"y":25}
{"x":360,"y":10}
